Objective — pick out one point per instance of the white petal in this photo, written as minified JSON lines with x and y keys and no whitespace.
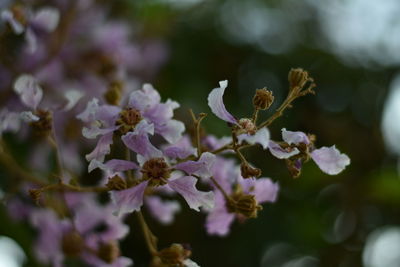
{"x":29,"y":91}
{"x":28,"y":116}
{"x":261,"y":137}
{"x":186,"y":187}
{"x":216,"y":103}
{"x":330,"y":160}
{"x":294,"y":137}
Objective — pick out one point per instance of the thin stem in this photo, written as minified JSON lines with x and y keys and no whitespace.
{"x":240,"y":155}
{"x":13,"y":167}
{"x":279,"y":112}
{"x":255,"y":115}
{"x":128,"y":158}
{"x":52,"y":141}
{"x":226,"y":196}
{"x":150,"y":238}
{"x":197,"y":122}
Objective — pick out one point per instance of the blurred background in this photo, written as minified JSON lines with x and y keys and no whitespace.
{"x":352,"y":50}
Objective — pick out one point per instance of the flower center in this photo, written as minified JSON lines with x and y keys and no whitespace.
{"x":156,"y":171}
{"x":72,"y":243}
{"x":128,"y":119}
{"x":246,"y":126}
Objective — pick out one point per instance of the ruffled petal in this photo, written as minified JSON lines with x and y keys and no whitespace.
{"x":264,"y":189}
{"x":113,"y":166}
{"x":181,"y":149}
{"x":138,"y":141}
{"x":261,"y":137}
{"x":277,"y":151}
{"x":202,"y":167}
{"x":128,"y":200}
{"x":162,"y":210}
{"x":218,"y":221}
{"x":294,"y":137}
{"x":186,"y":187}
{"x":102,"y":148}
{"x":145,"y":98}
{"x":330,"y":160}
{"x":29,"y":90}
{"x":46,"y":18}
{"x":89,"y":113}
{"x":171,"y":131}
{"x":216,"y":103}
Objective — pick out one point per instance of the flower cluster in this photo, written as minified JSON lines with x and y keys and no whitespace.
{"x":63,"y":91}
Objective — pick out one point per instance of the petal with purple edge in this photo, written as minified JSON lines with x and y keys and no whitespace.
{"x":128,"y":200}
{"x":90,"y":111}
{"x":218,"y":221}
{"x":216,"y":103}
{"x":186,"y":187}
{"x":181,"y":149}
{"x":102,"y":148}
{"x":294,"y":137}
{"x":261,"y":137}
{"x":145,"y":98}
{"x":29,"y":90}
{"x":138,"y":141}
{"x":172,"y":130}
{"x":113,"y":166}
{"x":46,"y":18}
{"x":277,"y":151}
{"x":330,"y":160}
{"x":201,"y":168}
{"x":264,"y":189}
{"x":162,"y":210}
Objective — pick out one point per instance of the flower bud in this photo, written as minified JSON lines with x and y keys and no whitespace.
{"x":114,"y":93}
{"x":298,"y":78}
{"x":108,"y":252}
{"x":116,"y":183}
{"x":263,"y":99}
{"x":294,"y":167}
{"x":244,"y":204}
{"x":72,"y":243}
{"x":247,"y":171}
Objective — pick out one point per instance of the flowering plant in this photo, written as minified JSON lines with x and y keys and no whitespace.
{"x":147,"y":158}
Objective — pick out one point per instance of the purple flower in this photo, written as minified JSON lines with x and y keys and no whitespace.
{"x":144,"y":113}
{"x":328,"y":159}
{"x":244,"y":128}
{"x":219,"y":218}
{"x":157,"y":172}
{"x":31,"y":22}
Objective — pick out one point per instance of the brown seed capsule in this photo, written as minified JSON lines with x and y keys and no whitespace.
{"x":263,"y":99}
{"x":116,"y":183}
{"x":114,"y":93}
{"x":72,"y":243}
{"x":248,"y":172}
{"x":298,"y":78}
{"x":243,"y":204}
{"x":173,"y":256}
{"x":35,"y":194}
{"x":43,"y":126}
{"x":108,"y":252}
